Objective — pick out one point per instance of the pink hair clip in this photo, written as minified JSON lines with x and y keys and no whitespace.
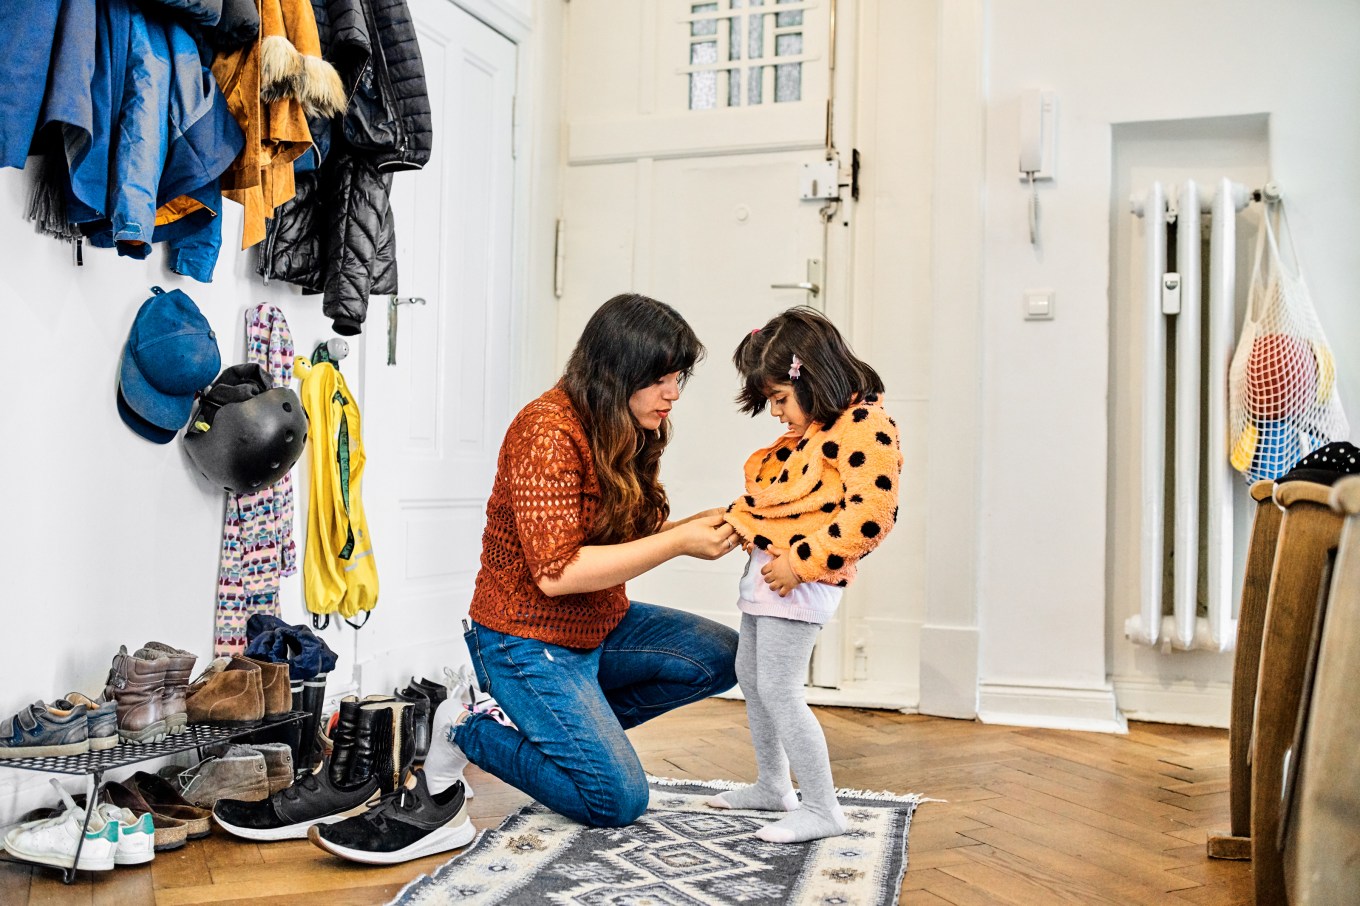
{"x":756,"y":331}
{"x":795,"y":369}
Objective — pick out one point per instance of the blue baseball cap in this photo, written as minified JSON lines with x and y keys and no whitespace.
{"x":171,"y":354}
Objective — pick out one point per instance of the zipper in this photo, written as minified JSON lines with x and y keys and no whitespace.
{"x":386,"y":79}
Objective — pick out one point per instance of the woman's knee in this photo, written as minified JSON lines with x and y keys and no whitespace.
{"x":717,"y":651}
{"x":620,"y":805}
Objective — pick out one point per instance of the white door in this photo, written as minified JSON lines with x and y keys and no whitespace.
{"x":433,"y":421}
{"x":690,"y":123}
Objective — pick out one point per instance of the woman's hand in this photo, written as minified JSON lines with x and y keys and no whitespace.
{"x":706,"y":536}
{"x":779,"y":574}
{"x":676,"y":523}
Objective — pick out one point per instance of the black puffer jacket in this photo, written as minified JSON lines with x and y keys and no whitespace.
{"x":336,"y":236}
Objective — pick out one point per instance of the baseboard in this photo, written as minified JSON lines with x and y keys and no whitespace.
{"x":882,"y":696}
{"x":1090,"y":708}
{"x":1185,"y":702}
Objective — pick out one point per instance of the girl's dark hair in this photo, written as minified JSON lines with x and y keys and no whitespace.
{"x":831,"y":376}
{"x":630,"y":342}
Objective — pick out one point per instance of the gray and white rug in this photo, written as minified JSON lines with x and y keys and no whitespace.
{"x":680,"y":853}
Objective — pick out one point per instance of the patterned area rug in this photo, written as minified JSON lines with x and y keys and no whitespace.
{"x":680,"y":853}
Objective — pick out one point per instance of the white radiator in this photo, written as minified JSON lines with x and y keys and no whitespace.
{"x":1170,"y":306}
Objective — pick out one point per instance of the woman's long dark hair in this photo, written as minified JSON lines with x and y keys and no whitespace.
{"x":830,"y":378}
{"x":630,"y":342}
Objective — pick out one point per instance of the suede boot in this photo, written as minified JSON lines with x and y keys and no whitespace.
{"x":178,"y":669}
{"x":278,"y":697}
{"x":138,"y":686}
{"x":239,"y":774}
{"x":278,"y":761}
{"x":230,"y":691}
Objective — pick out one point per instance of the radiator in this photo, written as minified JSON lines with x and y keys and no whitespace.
{"x":1178,"y":394}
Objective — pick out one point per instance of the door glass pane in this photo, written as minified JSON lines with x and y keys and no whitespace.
{"x":788,"y":77}
{"x":703,"y":86}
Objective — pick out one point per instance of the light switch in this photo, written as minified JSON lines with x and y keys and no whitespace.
{"x":1038,"y":304}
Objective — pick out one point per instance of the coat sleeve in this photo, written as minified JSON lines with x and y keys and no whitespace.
{"x":869,"y":460}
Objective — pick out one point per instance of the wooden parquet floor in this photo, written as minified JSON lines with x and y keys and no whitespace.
{"x":1030,"y":817}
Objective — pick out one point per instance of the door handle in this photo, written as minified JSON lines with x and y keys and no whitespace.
{"x":393,"y":306}
{"x":804,"y":286}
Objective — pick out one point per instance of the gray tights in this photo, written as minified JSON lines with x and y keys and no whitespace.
{"x":772,"y":661}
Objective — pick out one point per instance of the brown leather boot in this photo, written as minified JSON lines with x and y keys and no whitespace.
{"x":178,"y":669}
{"x":278,"y":695}
{"x":230,"y":691}
{"x":138,"y":686}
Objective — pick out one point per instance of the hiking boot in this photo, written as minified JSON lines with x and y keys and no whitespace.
{"x":168,"y":833}
{"x":278,"y":761}
{"x":319,"y":798}
{"x":278,"y":696}
{"x":239,"y":773}
{"x":406,"y":824}
{"x":229,"y":691}
{"x":138,"y":686}
{"x":40,"y":730}
{"x":166,"y":802}
{"x":179,"y":667}
{"x":101,"y":719}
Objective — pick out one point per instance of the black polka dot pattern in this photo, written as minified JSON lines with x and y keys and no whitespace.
{"x":783,"y":454}
{"x":856,"y":459}
{"x":796,"y":538}
{"x":856,"y":498}
{"x":804,"y":551}
{"x":833,"y":530}
{"x":784,"y":475}
{"x":884,"y":439}
{"x":831,"y":449}
{"x":860,"y":415}
{"x":761,"y":541}
{"x":828,"y":508}
{"x":869,"y":529}
{"x":883,"y":483}
{"x":835,"y":561}
{"x":750,"y":501}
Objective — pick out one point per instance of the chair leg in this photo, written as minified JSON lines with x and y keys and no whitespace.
{"x":1251,"y":620}
{"x":1309,"y":532}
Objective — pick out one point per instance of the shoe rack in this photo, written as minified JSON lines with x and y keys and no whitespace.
{"x":93,"y":765}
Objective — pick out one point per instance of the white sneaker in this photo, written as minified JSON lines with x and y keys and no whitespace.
{"x":461,"y":683}
{"x":52,"y":841}
{"x":136,"y":835}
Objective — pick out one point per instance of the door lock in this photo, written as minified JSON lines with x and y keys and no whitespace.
{"x":393,"y":306}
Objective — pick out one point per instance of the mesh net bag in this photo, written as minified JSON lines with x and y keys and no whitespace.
{"x":1282,"y":394}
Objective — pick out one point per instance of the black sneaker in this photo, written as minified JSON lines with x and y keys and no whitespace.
{"x":289,"y":813}
{"x":406,"y":824}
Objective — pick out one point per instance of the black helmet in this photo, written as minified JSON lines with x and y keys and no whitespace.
{"x":244,"y":435}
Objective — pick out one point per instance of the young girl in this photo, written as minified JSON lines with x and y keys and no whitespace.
{"x":817,"y":500}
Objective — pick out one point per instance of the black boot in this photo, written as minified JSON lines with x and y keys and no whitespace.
{"x":392,"y":742}
{"x":421,"y":712}
{"x":343,"y":742}
{"x":313,"y":696}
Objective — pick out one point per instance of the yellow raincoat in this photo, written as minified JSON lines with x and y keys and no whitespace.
{"x":339,"y":573}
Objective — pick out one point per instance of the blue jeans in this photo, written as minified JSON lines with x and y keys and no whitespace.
{"x":571,"y":707}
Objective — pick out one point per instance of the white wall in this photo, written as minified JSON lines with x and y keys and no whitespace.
{"x":112,"y":540}
{"x":1042,"y":613}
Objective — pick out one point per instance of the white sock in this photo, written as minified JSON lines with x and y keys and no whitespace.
{"x":445,"y":762}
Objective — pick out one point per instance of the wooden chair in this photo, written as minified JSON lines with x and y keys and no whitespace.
{"x":1309,"y":532}
{"x":1251,"y":621}
{"x":1321,"y":827}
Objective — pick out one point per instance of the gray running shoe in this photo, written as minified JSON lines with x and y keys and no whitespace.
{"x":40,"y":730}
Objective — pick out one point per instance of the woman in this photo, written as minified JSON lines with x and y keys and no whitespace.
{"x":577,"y":510}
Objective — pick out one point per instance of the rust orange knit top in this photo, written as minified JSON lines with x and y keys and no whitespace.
{"x":542,"y":505}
